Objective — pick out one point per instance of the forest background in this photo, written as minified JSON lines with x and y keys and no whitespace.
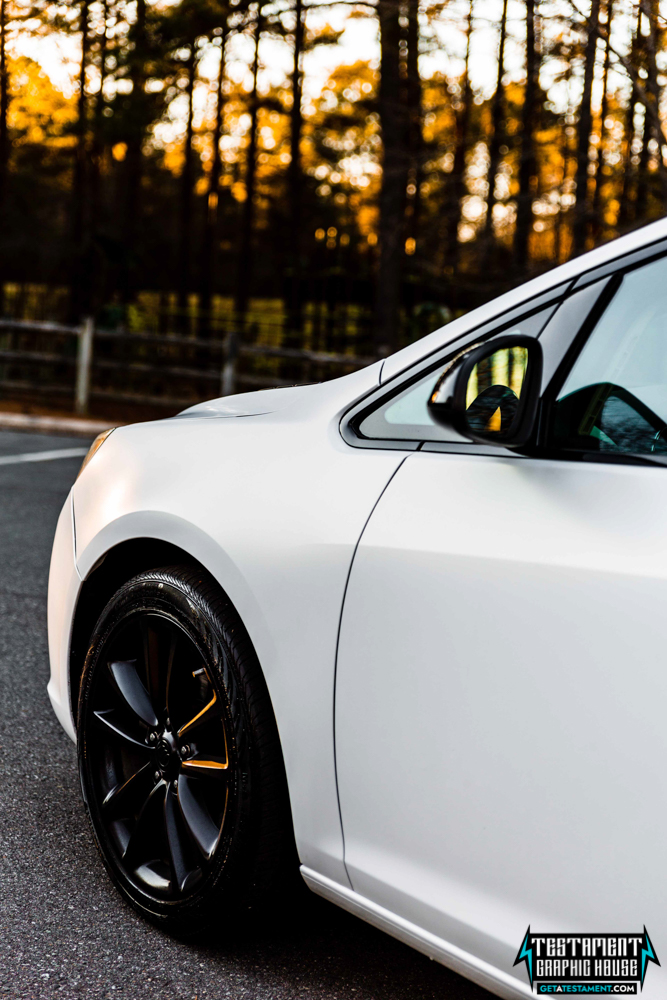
{"x":336,"y":175}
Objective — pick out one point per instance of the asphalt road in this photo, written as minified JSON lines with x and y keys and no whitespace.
{"x":64,"y":931}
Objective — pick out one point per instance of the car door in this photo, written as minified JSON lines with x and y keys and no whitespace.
{"x":501,"y":692}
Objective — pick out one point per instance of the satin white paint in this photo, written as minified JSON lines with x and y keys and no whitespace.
{"x":64,"y":585}
{"x":500,"y":695}
{"x":273,"y":505}
{"x":501,"y":676}
{"x":460,"y":961}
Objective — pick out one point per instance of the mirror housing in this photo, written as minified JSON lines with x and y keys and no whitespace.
{"x":497,"y":414}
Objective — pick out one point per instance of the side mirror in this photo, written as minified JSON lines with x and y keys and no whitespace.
{"x":489,"y":392}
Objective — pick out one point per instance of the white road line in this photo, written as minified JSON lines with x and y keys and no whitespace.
{"x":43,"y":456}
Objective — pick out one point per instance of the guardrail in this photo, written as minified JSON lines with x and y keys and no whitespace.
{"x":216,"y":362}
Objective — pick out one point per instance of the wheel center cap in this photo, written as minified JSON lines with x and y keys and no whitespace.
{"x":164,"y":755}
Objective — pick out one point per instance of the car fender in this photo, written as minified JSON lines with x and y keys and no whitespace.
{"x":273,"y":505}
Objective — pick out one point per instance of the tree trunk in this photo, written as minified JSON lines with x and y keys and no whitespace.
{"x":527,"y":161}
{"x":4,"y":103}
{"x":626,"y":211}
{"x":4,"y":143}
{"x":604,"y":111}
{"x":651,"y":13}
{"x":560,"y":219}
{"x":186,"y":185}
{"x":79,"y":287}
{"x":209,"y":241}
{"x":415,"y":140}
{"x":96,"y":155}
{"x":133,"y":157}
{"x":562,"y":240}
{"x":98,"y":114}
{"x":641,"y":198}
{"x":415,"y":114}
{"x":457,"y":176}
{"x":244,"y":274}
{"x":641,"y":194}
{"x":295,"y":186}
{"x":582,"y":207}
{"x":394,"y":181}
{"x":625,"y":214}
{"x":497,"y":135}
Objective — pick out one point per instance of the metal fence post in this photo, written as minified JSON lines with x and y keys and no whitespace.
{"x":228,"y":381}
{"x":84,"y":360}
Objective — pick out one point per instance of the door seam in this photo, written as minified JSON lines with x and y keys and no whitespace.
{"x":340,"y":622}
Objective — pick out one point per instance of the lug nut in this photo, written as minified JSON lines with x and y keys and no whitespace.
{"x":157,"y":775}
{"x":185,"y":751}
{"x":167,"y":723}
{"x":152,"y":737}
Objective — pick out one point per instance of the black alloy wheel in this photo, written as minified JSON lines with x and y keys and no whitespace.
{"x":179,"y":757}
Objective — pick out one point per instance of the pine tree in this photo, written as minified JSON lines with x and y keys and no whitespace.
{"x":394,"y":180}
{"x":582,"y":207}
{"x":527,"y":158}
{"x":497,"y":136}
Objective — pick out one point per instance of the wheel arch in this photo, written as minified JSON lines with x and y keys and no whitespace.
{"x":108,"y":554}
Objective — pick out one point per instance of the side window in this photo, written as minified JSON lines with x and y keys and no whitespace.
{"x":404,"y":415}
{"x":615,"y":397}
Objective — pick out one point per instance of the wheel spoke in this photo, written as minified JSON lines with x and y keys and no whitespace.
{"x":196,"y":817}
{"x":206,"y":767}
{"x":133,"y":692}
{"x":151,"y":644}
{"x":209,"y":713}
{"x":126,"y":792}
{"x":144,"y":829}
{"x":173,"y":641}
{"x":159,"y":640}
{"x":108,"y":717}
{"x":179,"y":869}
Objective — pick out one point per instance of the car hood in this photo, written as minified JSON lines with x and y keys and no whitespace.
{"x":250,"y":404}
{"x":294,"y":399}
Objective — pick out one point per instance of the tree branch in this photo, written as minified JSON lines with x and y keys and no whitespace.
{"x":639,"y":90}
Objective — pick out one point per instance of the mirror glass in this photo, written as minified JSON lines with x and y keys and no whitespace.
{"x":494,"y":390}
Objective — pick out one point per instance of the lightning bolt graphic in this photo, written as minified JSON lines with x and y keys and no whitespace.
{"x":526,"y":955}
{"x":648,"y":954}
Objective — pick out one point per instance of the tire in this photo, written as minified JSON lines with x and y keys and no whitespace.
{"x":179,"y":757}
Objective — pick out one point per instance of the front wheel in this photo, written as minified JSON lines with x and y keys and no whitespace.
{"x":179,"y":757}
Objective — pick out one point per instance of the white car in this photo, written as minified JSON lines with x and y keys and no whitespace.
{"x":412,"y":620}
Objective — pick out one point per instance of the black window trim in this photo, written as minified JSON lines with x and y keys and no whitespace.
{"x":576,"y":346}
{"x":556,"y":296}
{"x":627,"y":262}
{"x":378,"y":395}
{"x":533,"y":304}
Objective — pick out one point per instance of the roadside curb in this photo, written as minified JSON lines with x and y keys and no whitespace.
{"x":70,"y":426}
